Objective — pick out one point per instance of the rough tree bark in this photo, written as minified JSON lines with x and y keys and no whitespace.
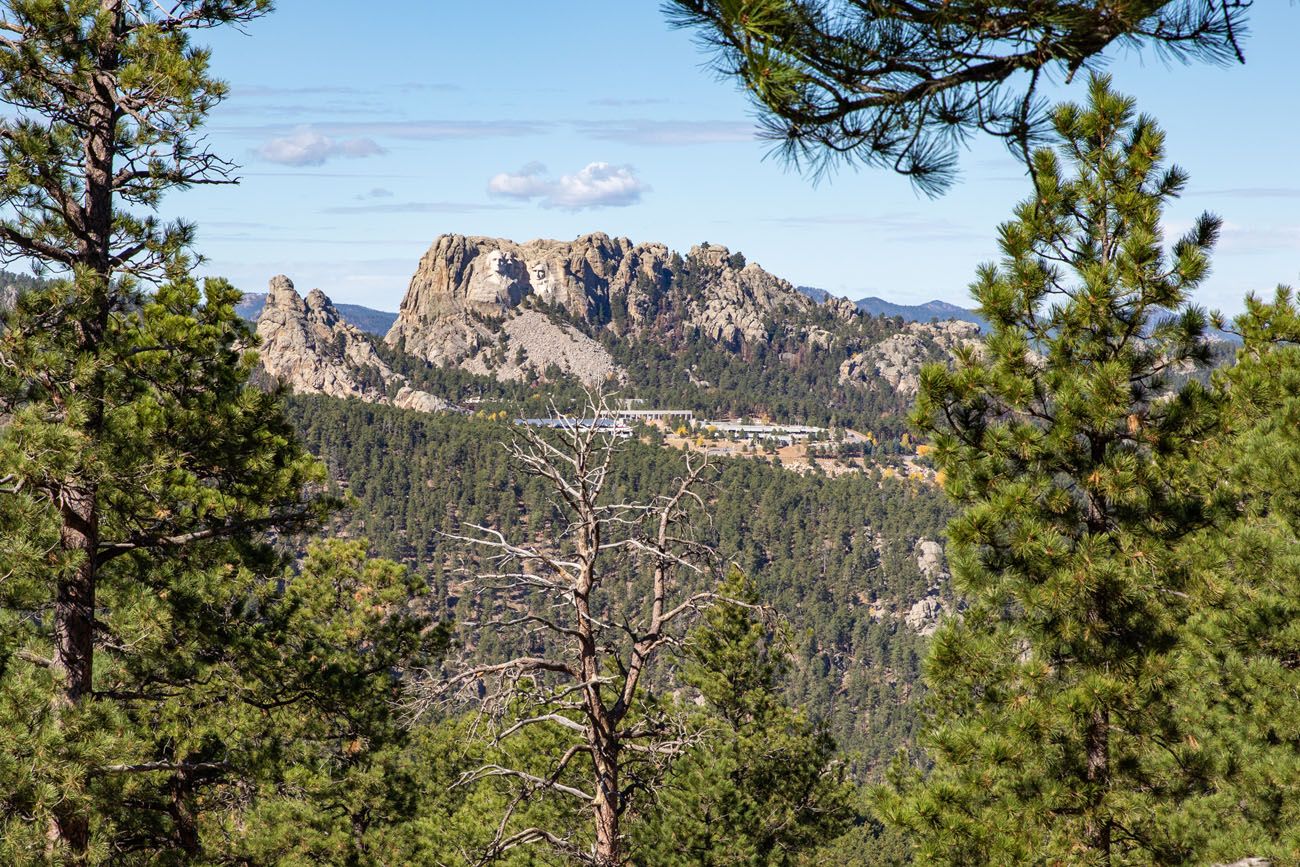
{"x":91,"y":126}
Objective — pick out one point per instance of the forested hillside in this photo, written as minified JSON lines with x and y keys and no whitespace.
{"x":485,"y":592}
{"x":837,"y":557}
{"x":788,"y":378}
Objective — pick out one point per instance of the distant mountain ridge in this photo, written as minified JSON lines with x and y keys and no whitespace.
{"x":821,"y":296}
{"x":927,"y":312}
{"x":367,"y":319}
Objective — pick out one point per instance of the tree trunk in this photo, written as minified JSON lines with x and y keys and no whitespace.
{"x":184,"y":823}
{"x":74,"y":608}
{"x":1097,"y":735}
{"x":609,"y":841}
{"x":1098,"y":827}
{"x":74,"y":637}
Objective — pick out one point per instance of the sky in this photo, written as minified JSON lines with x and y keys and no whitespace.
{"x":364,"y":130}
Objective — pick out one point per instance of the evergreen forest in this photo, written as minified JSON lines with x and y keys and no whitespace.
{"x":1051,"y":617}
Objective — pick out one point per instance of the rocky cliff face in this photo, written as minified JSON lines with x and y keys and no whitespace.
{"x":492,"y":305}
{"x":736,"y":302}
{"x":896,"y":361}
{"x":928,"y":612}
{"x":306,"y":345}
{"x":373,"y":322}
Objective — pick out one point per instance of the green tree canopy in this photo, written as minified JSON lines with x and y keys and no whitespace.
{"x":762,"y":786}
{"x":187,"y":463}
{"x":1052,"y":723}
{"x":141,"y":472}
{"x":1245,"y":649}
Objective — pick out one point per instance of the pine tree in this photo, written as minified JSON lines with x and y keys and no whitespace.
{"x":762,"y":787}
{"x":328,"y":770}
{"x":140,"y":467}
{"x":1244,"y":659}
{"x":188,"y":464}
{"x":1051,"y":726}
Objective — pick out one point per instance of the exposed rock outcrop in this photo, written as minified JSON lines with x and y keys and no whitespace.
{"x":925,"y":615}
{"x":928,"y":612}
{"x":735,"y":303}
{"x":929,"y":559}
{"x":896,"y":361}
{"x":420,"y":401}
{"x":495,"y":306}
{"x":307,"y":346}
{"x":372,"y":322}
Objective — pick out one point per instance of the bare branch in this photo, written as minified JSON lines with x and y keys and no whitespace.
{"x":169,"y":767}
{"x":556,"y":718}
{"x":488,"y":771}
{"x":565,"y":595}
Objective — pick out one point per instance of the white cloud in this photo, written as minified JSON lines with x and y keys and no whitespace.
{"x":307,"y":147}
{"x":412,"y":130}
{"x":596,"y":185}
{"x":1259,"y":237}
{"x":527,"y":183}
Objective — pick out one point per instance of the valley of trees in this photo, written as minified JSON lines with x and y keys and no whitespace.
{"x":240,"y":627}
{"x":808,"y":543}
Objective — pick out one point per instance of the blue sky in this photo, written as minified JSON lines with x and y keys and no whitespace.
{"x":365,"y":130}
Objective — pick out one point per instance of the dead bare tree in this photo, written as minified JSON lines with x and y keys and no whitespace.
{"x":588,"y":683}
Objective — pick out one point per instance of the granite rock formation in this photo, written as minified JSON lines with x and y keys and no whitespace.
{"x":928,"y":612}
{"x":373,"y":322}
{"x":897,"y":360}
{"x":495,"y":306}
{"x":307,"y":346}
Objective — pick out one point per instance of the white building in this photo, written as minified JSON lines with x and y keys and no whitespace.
{"x":783,"y":433}
{"x":684,"y":416}
{"x":611,"y":426}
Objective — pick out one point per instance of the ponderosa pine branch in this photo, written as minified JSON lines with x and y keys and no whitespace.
{"x":109,"y":550}
{"x":903,"y":83}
